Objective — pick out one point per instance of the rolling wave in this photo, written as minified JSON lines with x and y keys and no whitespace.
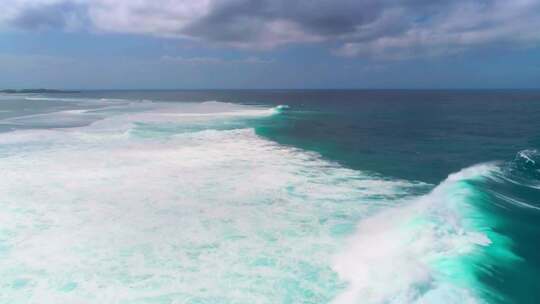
{"x":160,"y":202}
{"x":440,"y":247}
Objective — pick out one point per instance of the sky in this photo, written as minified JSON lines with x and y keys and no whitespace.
{"x":252,"y":44}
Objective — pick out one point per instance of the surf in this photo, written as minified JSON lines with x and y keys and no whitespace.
{"x":443,"y":247}
{"x":160,"y":201}
{"x":170,"y":202}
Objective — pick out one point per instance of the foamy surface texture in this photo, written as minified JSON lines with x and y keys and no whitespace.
{"x":145,"y":202}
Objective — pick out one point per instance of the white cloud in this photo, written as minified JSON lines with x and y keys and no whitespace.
{"x":161,"y":18}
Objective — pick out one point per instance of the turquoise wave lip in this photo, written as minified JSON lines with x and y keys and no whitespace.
{"x":434,"y":249}
{"x":281,"y":108}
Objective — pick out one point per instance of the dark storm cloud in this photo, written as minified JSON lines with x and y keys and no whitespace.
{"x":389,"y":29}
{"x":245,"y":20}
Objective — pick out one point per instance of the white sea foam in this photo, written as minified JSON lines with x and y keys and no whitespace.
{"x":417,"y":253}
{"x":99,"y":214}
{"x":113,"y":212}
{"x":126,"y":113}
{"x":74,"y":99}
{"x":528,"y":155}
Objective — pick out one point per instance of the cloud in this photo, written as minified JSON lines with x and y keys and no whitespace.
{"x":462,"y":26}
{"x":369,"y":28}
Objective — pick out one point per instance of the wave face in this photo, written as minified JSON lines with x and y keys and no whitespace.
{"x":125,"y":201}
{"x":446,"y":246}
{"x":425,"y":251}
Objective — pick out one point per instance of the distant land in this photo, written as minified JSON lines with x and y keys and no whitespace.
{"x":12,"y":91}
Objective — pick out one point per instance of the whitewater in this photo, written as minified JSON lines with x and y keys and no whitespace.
{"x":153,"y":202}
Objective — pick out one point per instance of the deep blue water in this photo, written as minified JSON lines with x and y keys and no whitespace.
{"x":403,"y":135}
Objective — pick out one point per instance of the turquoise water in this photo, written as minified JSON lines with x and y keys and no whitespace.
{"x":270,"y":197}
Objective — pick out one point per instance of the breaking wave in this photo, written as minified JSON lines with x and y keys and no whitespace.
{"x":149,"y":202}
{"x":440,"y":247}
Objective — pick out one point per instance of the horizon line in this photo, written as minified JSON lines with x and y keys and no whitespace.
{"x":280,"y":89}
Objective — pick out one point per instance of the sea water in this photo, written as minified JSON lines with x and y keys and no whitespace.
{"x":270,"y":197}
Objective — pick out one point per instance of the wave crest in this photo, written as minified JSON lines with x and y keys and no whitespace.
{"x":430,"y":250}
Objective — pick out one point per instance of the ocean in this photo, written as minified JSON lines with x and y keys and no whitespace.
{"x":270,"y":196}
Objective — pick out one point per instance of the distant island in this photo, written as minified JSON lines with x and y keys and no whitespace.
{"x":13,"y":91}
